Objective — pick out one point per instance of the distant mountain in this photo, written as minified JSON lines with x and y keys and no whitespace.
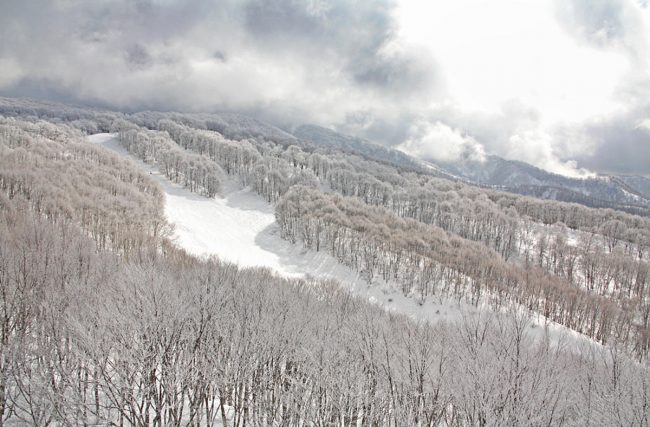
{"x":639,"y":184}
{"x":237,"y":126}
{"x":626,"y":193}
{"x":630,"y":193}
{"x":323,"y":137}
{"x":351,"y":144}
{"x":231,"y":125}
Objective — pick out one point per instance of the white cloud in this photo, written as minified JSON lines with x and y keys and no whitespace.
{"x":438,"y":141}
{"x":536,"y":147}
{"x":496,"y":51}
{"x":535,"y":81}
{"x":644,"y":124}
{"x":529,"y":79}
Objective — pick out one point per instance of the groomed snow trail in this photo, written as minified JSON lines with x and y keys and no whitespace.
{"x":239,"y":226}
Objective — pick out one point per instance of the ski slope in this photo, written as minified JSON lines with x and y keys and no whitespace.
{"x":239,"y":226}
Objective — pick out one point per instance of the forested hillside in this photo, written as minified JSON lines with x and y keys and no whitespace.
{"x":626,"y":193}
{"x":618,"y":192}
{"x":106,"y":322}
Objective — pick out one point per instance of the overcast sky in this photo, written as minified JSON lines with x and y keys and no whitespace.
{"x":562,"y":84}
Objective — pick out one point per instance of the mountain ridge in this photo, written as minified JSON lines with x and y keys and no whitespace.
{"x":629,"y":193}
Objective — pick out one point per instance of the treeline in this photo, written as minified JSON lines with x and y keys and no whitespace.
{"x":600,"y":259}
{"x":492,"y":217}
{"x":606,"y":256}
{"x":238,"y":129}
{"x":144,"y":335}
{"x":267,"y":168}
{"x":425,"y":260}
{"x":64,"y":178}
{"x":604,"y":262}
{"x":93,"y":339}
{"x":193,"y":171}
{"x":236,"y":157}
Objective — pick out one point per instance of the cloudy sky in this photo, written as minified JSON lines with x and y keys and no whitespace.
{"x":562,"y":84}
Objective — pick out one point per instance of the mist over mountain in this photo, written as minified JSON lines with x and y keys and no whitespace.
{"x":559,"y":85}
{"x":625,"y":192}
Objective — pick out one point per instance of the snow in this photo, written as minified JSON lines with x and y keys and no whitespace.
{"x":239,"y":227}
{"x":634,"y":197}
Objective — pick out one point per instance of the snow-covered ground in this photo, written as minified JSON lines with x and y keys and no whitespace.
{"x":239,"y":226}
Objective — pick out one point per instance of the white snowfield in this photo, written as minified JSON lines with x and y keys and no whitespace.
{"x":239,"y":226}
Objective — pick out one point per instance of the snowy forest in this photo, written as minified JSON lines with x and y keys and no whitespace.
{"x":106,"y":320}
